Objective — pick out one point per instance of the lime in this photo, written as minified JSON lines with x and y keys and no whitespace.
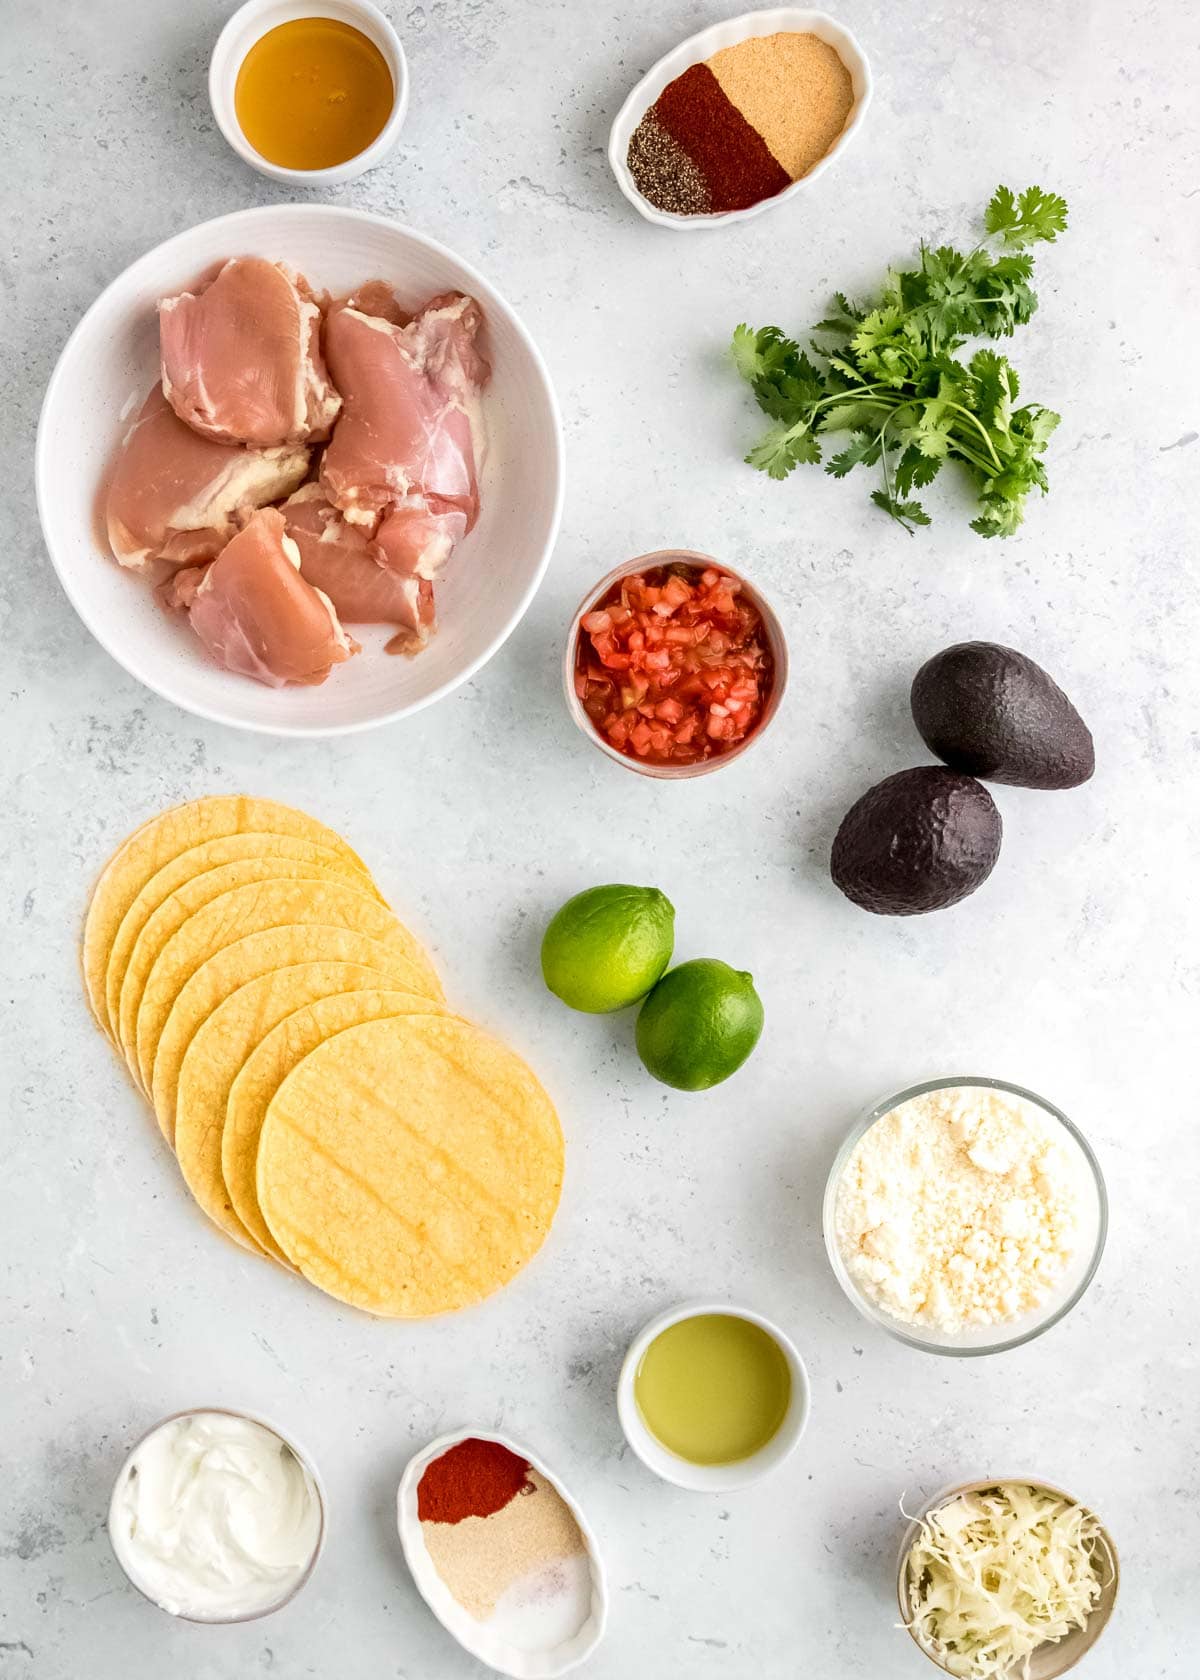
{"x":699,"y":1024}
{"x":606,"y":947}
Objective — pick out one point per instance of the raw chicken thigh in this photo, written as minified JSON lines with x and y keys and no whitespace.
{"x":272,"y":543}
{"x":344,"y":563}
{"x":241,"y":357}
{"x":376,"y":297}
{"x":418,"y":535}
{"x":175,"y":495}
{"x":401,"y":462}
{"x":256,"y":614}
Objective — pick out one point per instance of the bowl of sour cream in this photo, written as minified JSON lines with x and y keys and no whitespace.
{"x":217,"y":1516}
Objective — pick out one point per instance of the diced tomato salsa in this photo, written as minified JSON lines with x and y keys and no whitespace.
{"x":673,"y":665}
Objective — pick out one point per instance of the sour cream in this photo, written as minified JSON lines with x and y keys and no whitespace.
{"x":214,"y":1517}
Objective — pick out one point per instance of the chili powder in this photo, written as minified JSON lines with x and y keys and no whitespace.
{"x":471,"y":1479}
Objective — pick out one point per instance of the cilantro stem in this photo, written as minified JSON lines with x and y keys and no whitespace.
{"x":959,"y":409}
{"x":887,"y":481}
{"x":851,"y":395}
{"x":800,"y":427}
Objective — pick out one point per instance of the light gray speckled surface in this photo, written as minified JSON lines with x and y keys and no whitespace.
{"x":1074,"y":970}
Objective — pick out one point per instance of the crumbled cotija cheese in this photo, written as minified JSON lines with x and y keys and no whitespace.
{"x":959,"y":1208}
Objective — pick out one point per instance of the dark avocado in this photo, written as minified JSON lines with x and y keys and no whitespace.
{"x":918,"y":841}
{"x":989,"y":711}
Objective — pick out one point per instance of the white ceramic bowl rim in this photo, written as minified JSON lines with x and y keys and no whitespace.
{"x":908,"y":1333}
{"x":700,"y":46}
{"x":506,"y":1659}
{"x":775,"y":637}
{"x":712,"y":1478}
{"x":127,"y":653}
{"x":240,"y":33}
{"x":303,"y":1459}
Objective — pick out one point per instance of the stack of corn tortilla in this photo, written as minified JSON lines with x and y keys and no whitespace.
{"x":326,"y":1109}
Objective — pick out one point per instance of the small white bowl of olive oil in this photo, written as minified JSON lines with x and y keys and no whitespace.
{"x":309,"y":91}
{"x":712,"y":1396}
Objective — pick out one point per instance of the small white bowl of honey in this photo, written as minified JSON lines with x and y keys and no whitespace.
{"x":309,"y":91}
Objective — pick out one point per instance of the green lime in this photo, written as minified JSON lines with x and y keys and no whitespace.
{"x":699,"y":1024}
{"x":606,"y":947}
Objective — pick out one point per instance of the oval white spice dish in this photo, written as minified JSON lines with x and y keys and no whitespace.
{"x":695,"y":50}
{"x":523,"y":1661}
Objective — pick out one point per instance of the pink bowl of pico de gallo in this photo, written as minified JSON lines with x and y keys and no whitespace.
{"x":675,"y":664}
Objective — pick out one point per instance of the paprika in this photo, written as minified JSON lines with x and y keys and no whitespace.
{"x":471,"y":1479}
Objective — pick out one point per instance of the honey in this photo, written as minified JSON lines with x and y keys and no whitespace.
{"x":313,"y":93}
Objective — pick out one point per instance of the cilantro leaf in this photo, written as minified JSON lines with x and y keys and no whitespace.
{"x":907,"y":514}
{"x":875,"y":329}
{"x":1022,"y":221}
{"x":995,"y":387}
{"x":1001,"y":214}
{"x":1000,"y":517}
{"x":1043,"y":215}
{"x":851,"y":415}
{"x":863,"y":451}
{"x":745,"y":351}
{"x":913,"y":471}
{"x":1043,"y":422}
{"x":781,"y":449}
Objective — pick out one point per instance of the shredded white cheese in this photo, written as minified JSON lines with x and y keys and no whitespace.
{"x":961,"y":1207}
{"x":994,"y":1575}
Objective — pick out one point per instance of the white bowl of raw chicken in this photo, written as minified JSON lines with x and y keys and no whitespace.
{"x":102,"y":377}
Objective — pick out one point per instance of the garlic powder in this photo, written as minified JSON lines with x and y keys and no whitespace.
{"x":961,"y":1207}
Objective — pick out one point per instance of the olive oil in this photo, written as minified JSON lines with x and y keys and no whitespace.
{"x":713,"y":1389}
{"x":313,"y":93}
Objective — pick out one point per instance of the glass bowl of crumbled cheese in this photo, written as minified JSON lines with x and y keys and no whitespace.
{"x":965,"y":1216}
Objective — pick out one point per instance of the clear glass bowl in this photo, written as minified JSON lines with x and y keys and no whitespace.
{"x":979,"y":1339}
{"x":772,"y":629}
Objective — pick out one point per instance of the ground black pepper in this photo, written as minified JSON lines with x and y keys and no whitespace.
{"x":663,"y":172}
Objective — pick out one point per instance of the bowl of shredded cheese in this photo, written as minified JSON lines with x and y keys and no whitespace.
{"x":965,"y":1215}
{"x":1006,"y":1580}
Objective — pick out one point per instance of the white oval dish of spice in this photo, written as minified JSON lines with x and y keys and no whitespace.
{"x":965,"y":1216}
{"x":739,"y":117}
{"x":502,"y":1555}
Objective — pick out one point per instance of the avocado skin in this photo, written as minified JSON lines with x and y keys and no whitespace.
{"x":917,"y":841}
{"x":989,"y":711}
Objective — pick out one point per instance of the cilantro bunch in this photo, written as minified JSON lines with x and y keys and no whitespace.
{"x":891,"y":383}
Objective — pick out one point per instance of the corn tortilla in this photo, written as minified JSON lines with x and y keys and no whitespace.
{"x":227,"y":1037}
{"x":219,"y":1165}
{"x":162,"y":838}
{"x":249,"y":909}
{"x":247,"y":959}
{"x":410,"y":1166}
{"x":198,"y":860}
{"x":170,"y":916}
